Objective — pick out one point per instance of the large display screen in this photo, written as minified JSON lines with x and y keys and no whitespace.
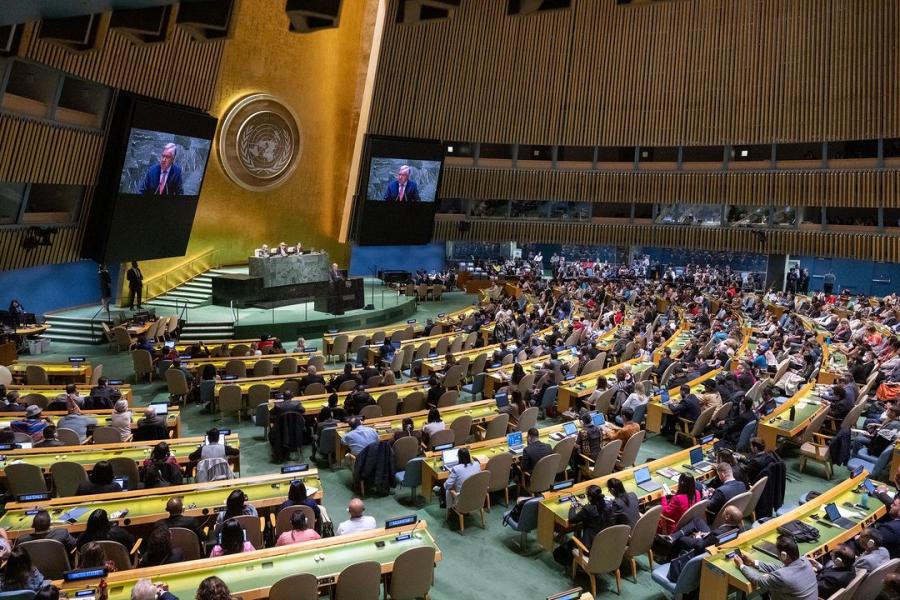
{"x":153,"y":168}
{"x":397,"y":192}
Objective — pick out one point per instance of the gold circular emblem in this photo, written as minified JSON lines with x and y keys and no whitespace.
{"x":259,"y":142}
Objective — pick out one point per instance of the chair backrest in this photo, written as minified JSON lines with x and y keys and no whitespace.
{"x":448,"y":398}
{"x":300,"y":586}
{"x":454,"y":376}
{"x":356,"y":343}
{"x":48,"y":556}
{"x":317,"y":361}
{"x":471,"y":496}
{"x":176,"y":382}
{"x":96,"y":374}
{"x":236,"y":368}
{"x":107,"y":435}
{"x":528,"y":517}
{"x":478,"y":364}
{"x":846,"y":592}
{"x":213,"y":469}
{"x":287,"y":366}
{"x":314,"y":389}
{"x":604,"y":400}
{"x":500,"y":468}
{"x":605,"y":461}
{"x":462,"y":428}
{"x":526,"y":383}
{"x":814,"y":426}
{"x":442,"y":345}
{"x":35,"y":375}
{"x":696,"y":511}
{"x":643,"y":534}
{"x":412,"y":472}
{"x":18,"y":595}
{"x":117,"y":553}
{"x":23,"y":478}
{"x":251,"y":525}
{"x":422,"y":351}
{"x":457,"y":344}
{"x":122,"y":339}
{"x":126,"y":467}
{"x":853,"y":416}
{"x":5,"y":375}
{"x":722,"y":412}
{"x":405,"y":449}
{"x":689,"y":579}
{"x":231,"y":398}
{"x":388,"y":402}
{"x":263,"y":368}
{"x":414,"y":402}
{"x":259,"y":393}
{"x":508,"y":359}
{"x":397,"y":362}
{"x":293,"y":385}
{"x":564,"y":448}
{"x":347,"y":386}
{"x":527,"y":419}
{"x":371,"y":411}
{"x":374,"y":381}
{"x":879,"y":469}
{"x":741,"y":501}
{"x":67,"y":476}
{"x":702,"y":421}
{"x":667,"y":374}
{"x":340,"y":345}
{"x":444,"y":436}
{"x":21,"y":437}
{"x":413,"y":573}
{"x":497,"y":427}
{"x":378,"y":338}
{"x":608,"y":549}
{"x":747,"y":434}
{"x":36,"y":399}
{"x":872,"y":584}
{"x":756,"y":491}
{"x":187,"y":541}
{"x":283,"y":520}
{"x":592,"y":365}
{"x":544,"y":473}
{"x":359,"y":581}
{"x":68,"y":437}
{"x":630,"y":451}
{"x":328,"y":440}
{"x":640,"y":412}
{"x":548,"y":400}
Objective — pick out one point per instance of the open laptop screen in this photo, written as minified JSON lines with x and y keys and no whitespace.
{"x":514,"y":439}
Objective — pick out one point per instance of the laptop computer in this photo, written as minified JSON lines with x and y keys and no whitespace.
{"x":769,"y":548}
{"x":502,"y":400}
{"x":664,"y":396}
{"x":161,"y":410}
{"x":514,"y":441}
{"x":569,"y":429}
{"x":122,"y":481}
{"x":697,"y":461}
{"x":598,"y":419}
{"x":643,"y":480}
{"x":834,"y":515}
{"x":450,"y":458}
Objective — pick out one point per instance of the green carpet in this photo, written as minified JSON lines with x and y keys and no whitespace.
{"x":481,"y":563}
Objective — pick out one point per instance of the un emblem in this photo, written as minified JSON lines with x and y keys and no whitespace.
{"x":260,"y":142}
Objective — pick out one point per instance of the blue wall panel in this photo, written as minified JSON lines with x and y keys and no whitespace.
{"x":405,"y":258}
{"x":858,"y":276}
{"x":51,"y":287}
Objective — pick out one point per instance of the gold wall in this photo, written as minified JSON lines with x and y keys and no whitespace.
{"x":321,"y":77}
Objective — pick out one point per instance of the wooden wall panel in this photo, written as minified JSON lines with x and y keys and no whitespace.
{"x":65,"y":248}
{"x":41,"y":152}
{"x":699,"y":72}
{"x":859,"y":246}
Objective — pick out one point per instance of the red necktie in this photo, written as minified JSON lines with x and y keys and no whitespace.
{"x":402,"y":188}
{"x":162,"y":183}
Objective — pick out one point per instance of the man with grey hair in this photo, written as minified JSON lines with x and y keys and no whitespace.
{"x":164,"y":179}
{"x":403,"y":189}
{"x":144,"y":589}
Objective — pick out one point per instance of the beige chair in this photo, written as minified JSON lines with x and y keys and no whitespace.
{"x":372,"y":411}
{"x":448,"y":398}
{"x":68,"y":437}
{"x":231,"y":399}
{"x":23,"y":478}
{"x":67,"y":476}
{"x":462,"y":429}
{"x":22,"y":438}
{"x":496,"y":427}
{"x":143,"y":365}
{"x":48,"y":556}
{"x":107,"y":435}
{"x":187,"y":541}
{"x":471,"y":498}
{"x":287,"y":366}
{"x":314,"y":389}
{"x":177,"y":383}
{"x":422,"y":351}
{"x":508,"y":359}
{"x":36,"y":375}
{"x":439,"y":438}
{"x":437,"y":291}
{"x":874,"y":581}
{"x":388,"y":402}
{"x":814,"y":445}
{"x":414,"y":402}
{"x":421,"y":292}
{"x":347,"y":386}
{"x":696,"y":511}
{"x":374,"y":381}
{"x":721,"y":413}
{"x":527,"y":419}
{"x":123,"y":340}
{"x":263,"y":368}
{"x":5,"y":375}
{"x":340,"y":346}
{"x":356,"y":343}
{"x":258,"y":393}
{"x":359,"y":581}
{"x":740,"y":502}
{"x":630,"y":451}
{"x":525,"y":385}
{"x":300,"y":586}
{"x":239,"y":350}
{"x":283,"y":520}
{"x":413,"y":574}
{"x":317,"y":361}
{"x":756,"y":491}
{"x":126,"y":467}
{"x":603,"y":464}
{"x":642,"y":537}
{"x":694,"y":431}
{"x":254,"y":528}
{"x":603,"y":402}
{"x":108,"y":333}
{"x":378,"y":338}
{"x":500,"y":468}
{"x":442,"y":345}
{"x":291,"y":385}
{"x":477,"y":366}
{"x":542,"y":476}
{"x":36,"y":399}
{"x":236,"y":368}
{"x":405,"y":449}
{"x":564,"y":448}
{"x":604,"y":556}
{"x":96,"y":374}
{"x":453,"y":378}
{"x":119,"y":554}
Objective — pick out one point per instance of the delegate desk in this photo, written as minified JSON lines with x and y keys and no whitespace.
{"x":806,"y":403}
{"x":373,"y":351}
{"x":274,"y":382}
{"x":572,"y":392}
{"x":56,"y":372}
{"x":656,"y":409}
{"x":497,"y":376}
{"x":50,"y":392}
{"x":388,"y":331}
{"x":212,"y":345}
{"x":195,"y":365}
{"x":553,"y":511}
{"x":87,"y":455}
{"x":481,"y":412}
{"x":834,"y":364}
{"x":143,"y":507}
{"x":314,"y":403}
{"x":173,"y":418}
{"x":250,"y":575}
{"x":718,"y":573}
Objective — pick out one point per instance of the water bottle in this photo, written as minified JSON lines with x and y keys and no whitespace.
{"x":864,"y":500}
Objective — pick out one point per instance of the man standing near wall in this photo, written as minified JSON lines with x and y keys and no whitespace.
{"x":135,"y":285}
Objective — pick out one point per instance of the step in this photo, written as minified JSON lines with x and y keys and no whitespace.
{"x":71,"y":338}
{"x":194,"y":287}
{"x":179,"y":293}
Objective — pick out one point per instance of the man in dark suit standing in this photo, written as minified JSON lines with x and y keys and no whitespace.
{"x":336,"y":279}
{"x":135,"y":284}
{"x":402,"y":190}
{"x":164,"y":179}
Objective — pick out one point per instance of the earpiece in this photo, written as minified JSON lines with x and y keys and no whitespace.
{"x":838,"y":562}
{"x":870,"y":545}
{"x":784,"y":556}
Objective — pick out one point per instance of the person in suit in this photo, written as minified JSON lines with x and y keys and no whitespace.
{"x":402,"y":189}
{"x":729,"y":430}
{"x":688,"y":408}
{"x":625,"y":505}
{"x":336,"y":279}
{"x":836,"y":573}
{"x":729,"y":488}
{"x":534,"y":451}
{"x":287,"y":405}
{"x":664,"y":363}
{"x":697,"y":535}
{"x":40,"y":523}
{"x":310,"y":378}
{"x":793,"y":579}
{"x":889,"y":527}
{"x":164,"y":179}
{"x":105,"y":281}
{"x":759,"y":459}
{"x":135,"y":284}
{"x":176,"y":518}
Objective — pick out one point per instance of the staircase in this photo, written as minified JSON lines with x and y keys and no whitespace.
{"x":74,"y":330}
{"x":193,"y":293}
{"x":195,"y":330}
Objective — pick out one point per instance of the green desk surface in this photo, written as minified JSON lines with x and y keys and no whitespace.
{"x":843,"y":492}
{"x":696,"y":386}
{"x":480,"y":411}
{"x":531,"y":365}
{"x":251,"y":574}
{"x":220,"y":362}
{"x":52,"y":391}
{"x":805,"y":404}
{"x":87,"y":455}
{"x":146,"y":506}
{"x":586,"y":384}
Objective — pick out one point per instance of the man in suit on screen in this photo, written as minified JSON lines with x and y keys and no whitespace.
{"x":402,"y":189}
{"x":164,"y":179}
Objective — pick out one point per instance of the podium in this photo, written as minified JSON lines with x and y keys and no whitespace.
{"x":341,"y":298}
